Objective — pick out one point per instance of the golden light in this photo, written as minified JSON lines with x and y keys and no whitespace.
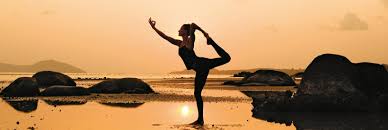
{"x":185,"y":110}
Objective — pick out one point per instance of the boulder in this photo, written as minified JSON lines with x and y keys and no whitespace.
{"x":374,"y":80}
{"x":330,"y":75}
{"x":270,"y":77}
{"x":58,"y":90}
{"x":22,"y":87}
{"x":264,"y":78}
{"x":243,"y":74}
{"x":124,"y":85}
{"x":331,"y":83}
{"x":49,"y":78}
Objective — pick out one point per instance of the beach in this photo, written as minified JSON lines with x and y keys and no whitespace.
{"x":172,"y":107}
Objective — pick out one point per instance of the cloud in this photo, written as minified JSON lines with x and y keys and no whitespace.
{"x":351,"y":22}
{"x":47,"y":12}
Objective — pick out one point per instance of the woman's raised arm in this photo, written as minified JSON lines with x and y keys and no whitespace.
{"x":161,"y":34}
{"x":200,"y":29}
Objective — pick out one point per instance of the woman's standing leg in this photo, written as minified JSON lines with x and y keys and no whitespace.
{"x":200,"y":81}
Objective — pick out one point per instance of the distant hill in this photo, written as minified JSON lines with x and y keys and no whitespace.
{"x":231,"y":72}
{"x":50,"y":65}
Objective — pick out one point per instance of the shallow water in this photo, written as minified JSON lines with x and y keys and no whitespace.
{"x":149,"y":115}
{"x":173,"y":108}
{"x":225,"y":107}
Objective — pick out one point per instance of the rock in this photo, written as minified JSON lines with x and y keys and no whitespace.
{"x":270,"y":77}
{"x":243,"y":74}
{"x":264,"y":78}
{"x":58,"y":90}
{"x":374,"y":80}
{"x":331,"y":83}
{"x":49,"y":78}
{"x":22,"y":87}
{"x":125,"y":85}
{"x":330,"y":75}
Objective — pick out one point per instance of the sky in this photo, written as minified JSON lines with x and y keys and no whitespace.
{"x":114,"y":36}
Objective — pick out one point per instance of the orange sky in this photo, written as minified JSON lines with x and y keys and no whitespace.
{"x":114,"y":36}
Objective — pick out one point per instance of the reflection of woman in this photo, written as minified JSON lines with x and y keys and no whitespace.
{"x":200,"y":65}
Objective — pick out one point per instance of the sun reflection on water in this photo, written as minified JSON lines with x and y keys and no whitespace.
{"x":185,"y":110}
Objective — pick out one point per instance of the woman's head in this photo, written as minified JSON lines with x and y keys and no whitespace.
{"x":185,"y":29}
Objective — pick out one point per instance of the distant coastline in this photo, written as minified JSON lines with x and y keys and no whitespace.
{"x":231,"y":72}
{"x":49,"y":65}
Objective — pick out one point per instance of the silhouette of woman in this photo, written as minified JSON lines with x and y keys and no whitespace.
{"x":200,"y":65}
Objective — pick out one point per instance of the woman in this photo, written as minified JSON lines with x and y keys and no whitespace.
{"x":200,"y":65}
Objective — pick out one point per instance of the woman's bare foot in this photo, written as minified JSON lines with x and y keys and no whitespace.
{"x":197,"y":122}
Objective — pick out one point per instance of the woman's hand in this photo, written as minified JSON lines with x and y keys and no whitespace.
{"x":195,"y":26}
{"x":206,"y":35}
{"x":152,"y":22}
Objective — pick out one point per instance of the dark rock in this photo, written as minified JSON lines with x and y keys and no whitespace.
{"x":243,"y":74}
{"x":125,"y":85}
{"x":331,"y":83}
{"x":330,"y":75}
{"x":58,"y":90}
{"x":264,"y":78}
{"x":270,"y":77}
{"x":373,"y":79}
{"x":49,"y":78}
{"x":22,"y":87}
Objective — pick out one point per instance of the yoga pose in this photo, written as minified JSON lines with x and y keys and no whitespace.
{"x":200,"y":65}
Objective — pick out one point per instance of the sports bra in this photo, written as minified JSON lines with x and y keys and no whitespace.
{"x":188,"y":56}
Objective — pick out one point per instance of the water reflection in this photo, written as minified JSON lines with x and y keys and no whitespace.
{"x":60,"y":103}
{"x":185,"y":110}
{"x":319,"y":121}
{"x":122,"y":105}
{"x":23,"y":106}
